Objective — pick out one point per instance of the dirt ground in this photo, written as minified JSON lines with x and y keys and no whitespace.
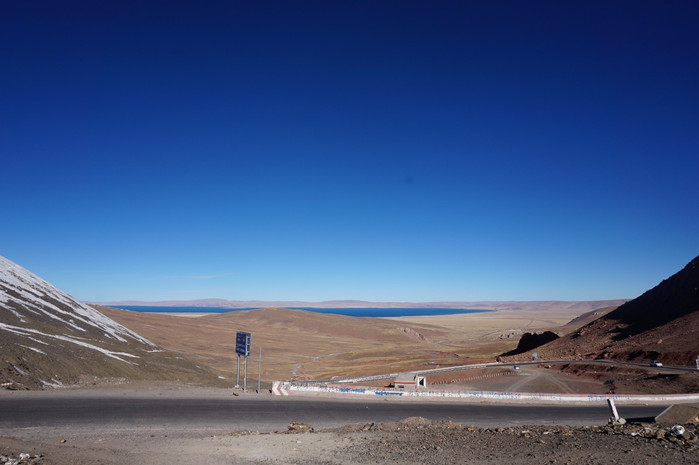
{"x":570,"y":378}
{"x":413,"y":440}
{"x":526,"y":379}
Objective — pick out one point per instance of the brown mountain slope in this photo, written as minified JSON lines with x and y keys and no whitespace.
{"x":48,"y":339}
{"x":673,"y":298}
{"x":296,"y":343}
{"x":662,"y":324}
{"x":585,"y":318}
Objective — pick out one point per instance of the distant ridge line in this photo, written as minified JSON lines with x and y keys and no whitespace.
{"x":489,"y":305}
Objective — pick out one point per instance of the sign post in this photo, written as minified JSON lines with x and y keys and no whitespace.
{"x":242,"y":347}
{"x":237,"y":376}
{"x":259,"y":372}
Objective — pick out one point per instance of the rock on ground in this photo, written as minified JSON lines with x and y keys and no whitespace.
{"x":413,"y":440}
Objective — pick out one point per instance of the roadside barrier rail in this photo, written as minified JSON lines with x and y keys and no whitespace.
{"x":288,"y":388}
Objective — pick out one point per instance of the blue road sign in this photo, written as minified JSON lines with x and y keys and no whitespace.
{"x":242,"y":343}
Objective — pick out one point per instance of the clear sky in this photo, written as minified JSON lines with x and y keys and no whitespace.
{"x":386,"y":151}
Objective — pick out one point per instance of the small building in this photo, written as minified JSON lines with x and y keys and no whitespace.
{"x":409,"y":381}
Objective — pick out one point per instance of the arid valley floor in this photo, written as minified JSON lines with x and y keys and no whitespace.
{"x":305,"y":345}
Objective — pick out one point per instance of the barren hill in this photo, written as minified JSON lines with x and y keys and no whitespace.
{"x":584,"y":319}
{"x":299,"y":344}
{"x":48,"y":339}
{"x":661,"y":324}
{"x":302,"y":344}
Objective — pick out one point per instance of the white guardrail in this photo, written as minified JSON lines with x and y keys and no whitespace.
{"x":282,"y":388}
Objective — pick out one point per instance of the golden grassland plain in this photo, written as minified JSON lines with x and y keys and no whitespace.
{"x":298,"y":344}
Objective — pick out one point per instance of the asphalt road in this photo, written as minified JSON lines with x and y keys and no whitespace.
{"x":664,"y":369}
{"x":266,"y":414}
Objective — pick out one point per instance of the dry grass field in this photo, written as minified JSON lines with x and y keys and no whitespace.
{"x":298,"y":344}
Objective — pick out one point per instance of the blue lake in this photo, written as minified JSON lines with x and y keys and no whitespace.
{"x":371,"y":312}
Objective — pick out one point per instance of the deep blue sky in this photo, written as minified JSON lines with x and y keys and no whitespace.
{"x":388,"y":151}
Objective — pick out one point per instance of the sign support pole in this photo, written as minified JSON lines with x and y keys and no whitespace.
{"x":245,"y":379}
{"x":237,"y":378}
{"x":259,"y":372}
{"x":242,"y":347}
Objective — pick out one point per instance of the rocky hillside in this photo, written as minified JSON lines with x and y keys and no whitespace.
{"x":674,"y":298}
{"x":49,"y":339}
{"x":661,"y":324}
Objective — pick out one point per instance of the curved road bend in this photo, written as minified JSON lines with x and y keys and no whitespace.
{"x":266,"y":414}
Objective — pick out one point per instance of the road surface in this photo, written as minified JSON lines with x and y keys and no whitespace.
{"x":221,"y":410}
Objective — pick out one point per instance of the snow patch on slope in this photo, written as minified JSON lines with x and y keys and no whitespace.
{"x":29,"y":292}
{"x":28,"y":331}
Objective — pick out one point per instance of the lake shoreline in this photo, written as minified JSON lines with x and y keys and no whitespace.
{"x":374,"y":312}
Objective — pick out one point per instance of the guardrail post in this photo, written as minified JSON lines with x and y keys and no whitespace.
{"x":615,"y":416}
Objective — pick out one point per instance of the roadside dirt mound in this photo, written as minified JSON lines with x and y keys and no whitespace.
{"x":441,"y":442}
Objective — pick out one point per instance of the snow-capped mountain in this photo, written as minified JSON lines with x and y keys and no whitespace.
{"x":49,"y":339}
{"x":25,"y":295}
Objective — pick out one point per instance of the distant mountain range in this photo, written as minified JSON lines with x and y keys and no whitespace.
{"x":573,"y":306}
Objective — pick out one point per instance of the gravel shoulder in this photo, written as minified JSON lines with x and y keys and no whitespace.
{"x":413,"y":440}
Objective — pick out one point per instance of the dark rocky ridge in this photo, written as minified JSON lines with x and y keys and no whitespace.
{"x":673,"y":298}
{"x":662,"y":324}
{"x":530,"y":341}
